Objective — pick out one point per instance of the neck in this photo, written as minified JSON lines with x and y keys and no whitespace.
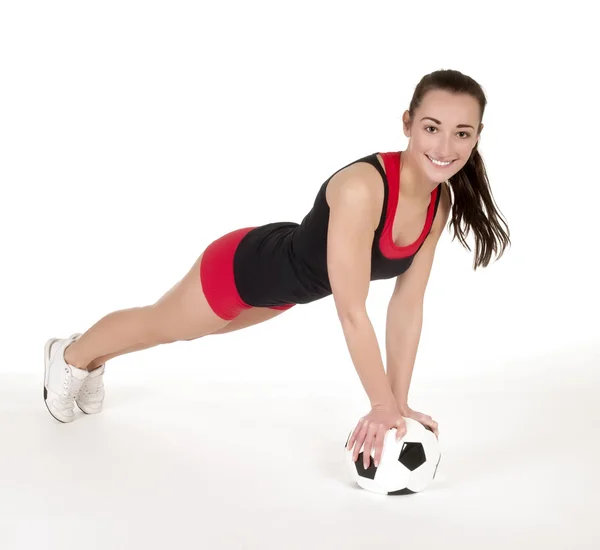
{"x":414,"y":184}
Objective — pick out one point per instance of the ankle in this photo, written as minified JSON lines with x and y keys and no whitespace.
{"x":71,"y":358}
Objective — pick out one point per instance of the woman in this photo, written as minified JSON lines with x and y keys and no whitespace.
{"x":378,"y":217}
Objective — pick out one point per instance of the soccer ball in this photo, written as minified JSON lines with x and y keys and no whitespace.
{"x":406,"y":466}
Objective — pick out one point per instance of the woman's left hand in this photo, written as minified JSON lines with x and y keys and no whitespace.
{"x":424,"y":419}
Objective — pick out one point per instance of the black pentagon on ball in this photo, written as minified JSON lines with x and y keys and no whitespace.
{"x":402,"y":492}
{"x":365,"y":472}
{"x":412,"y":456}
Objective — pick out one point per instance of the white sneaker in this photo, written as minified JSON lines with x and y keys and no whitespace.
{"x":62,"y":382}
{"x":91,"y":394}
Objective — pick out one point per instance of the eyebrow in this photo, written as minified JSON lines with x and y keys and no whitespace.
{"x":438,"y":122}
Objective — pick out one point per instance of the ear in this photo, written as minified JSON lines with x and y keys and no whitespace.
{"x":406,"y":123}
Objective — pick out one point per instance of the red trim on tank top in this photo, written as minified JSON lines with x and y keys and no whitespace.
{"x":386,"y":243}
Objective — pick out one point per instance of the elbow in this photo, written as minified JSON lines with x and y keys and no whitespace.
{"x":353,"y":316}
{"x":403,"y":311}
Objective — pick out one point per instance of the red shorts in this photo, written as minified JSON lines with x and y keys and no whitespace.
{"x":216,"y":275}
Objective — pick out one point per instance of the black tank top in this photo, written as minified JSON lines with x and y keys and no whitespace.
{"x":286,"y":263}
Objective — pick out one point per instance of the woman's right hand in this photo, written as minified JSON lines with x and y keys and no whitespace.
{"x":371,"y":430}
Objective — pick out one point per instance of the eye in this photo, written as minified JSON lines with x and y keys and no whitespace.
{"x":467,"y":134}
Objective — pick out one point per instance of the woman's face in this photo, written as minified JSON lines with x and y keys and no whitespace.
{"x":450,"y":137}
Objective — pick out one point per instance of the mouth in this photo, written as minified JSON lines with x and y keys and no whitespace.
{"x":440,"y":165}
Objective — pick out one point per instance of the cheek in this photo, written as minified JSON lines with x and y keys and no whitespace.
{"x":422,"y":144}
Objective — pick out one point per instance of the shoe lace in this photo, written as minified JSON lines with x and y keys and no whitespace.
{"x":70,"y":388}
{"x":92,"y":387}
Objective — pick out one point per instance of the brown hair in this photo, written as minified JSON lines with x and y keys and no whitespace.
{"x":470,"y":187}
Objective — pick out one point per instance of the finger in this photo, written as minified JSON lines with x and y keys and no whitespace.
{"x":354,"y":435}
{"x":350,"y":441}
{"x":400,"y":431}
{"x":352,"y":438}
{"x":348,"y":445}
{"x":359,"y":445}
{"x":379,"y":440}
{"x":369,"y":445}
{"x":426,"y":420}
{"x":420,"y":417}
{"x":434,"y":427}
{"x":360,"y":438}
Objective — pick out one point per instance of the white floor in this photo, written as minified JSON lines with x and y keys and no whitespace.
{"x":185,"y":463}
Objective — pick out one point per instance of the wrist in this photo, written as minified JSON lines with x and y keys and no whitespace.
{"x":391,"y":407}
{"x":402,"y":406}
{"x":389,"y":404}
{"x":385,"y":399}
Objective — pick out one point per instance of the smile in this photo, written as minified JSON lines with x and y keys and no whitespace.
{"x":439,"y":163}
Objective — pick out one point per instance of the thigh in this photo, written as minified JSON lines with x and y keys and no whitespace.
{"x":183,"y":312}
{"x":249,"y":317}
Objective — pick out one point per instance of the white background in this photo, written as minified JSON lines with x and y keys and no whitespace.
{"x":132,"y":134}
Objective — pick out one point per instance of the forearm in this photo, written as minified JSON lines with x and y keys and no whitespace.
{"x":403,"y":332}
{"x":366,"y":356}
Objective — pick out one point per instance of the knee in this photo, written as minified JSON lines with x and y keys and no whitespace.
{"x":165,"y":326}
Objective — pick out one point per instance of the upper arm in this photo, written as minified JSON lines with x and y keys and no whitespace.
{"x":352,"y":224}
{"x":410,"y":285}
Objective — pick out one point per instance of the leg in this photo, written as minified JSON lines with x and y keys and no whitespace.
{"x":101,"y":360}
{"x":183,"y":313}
{"x":247,"y":318}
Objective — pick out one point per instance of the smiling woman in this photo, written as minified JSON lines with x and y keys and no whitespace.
{"x":378,"y":217}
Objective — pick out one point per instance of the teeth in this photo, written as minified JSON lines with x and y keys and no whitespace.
{"x":439,"y":163}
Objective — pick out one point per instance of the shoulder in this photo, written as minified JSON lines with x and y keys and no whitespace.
{"x":358,"y":185}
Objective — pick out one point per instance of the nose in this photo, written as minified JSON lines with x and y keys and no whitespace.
{"x":444,"y":149}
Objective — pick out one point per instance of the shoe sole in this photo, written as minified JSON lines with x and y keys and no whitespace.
{"x":46,"y":375}
{"x":85,"y":412}
{"x":80,"y":408}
